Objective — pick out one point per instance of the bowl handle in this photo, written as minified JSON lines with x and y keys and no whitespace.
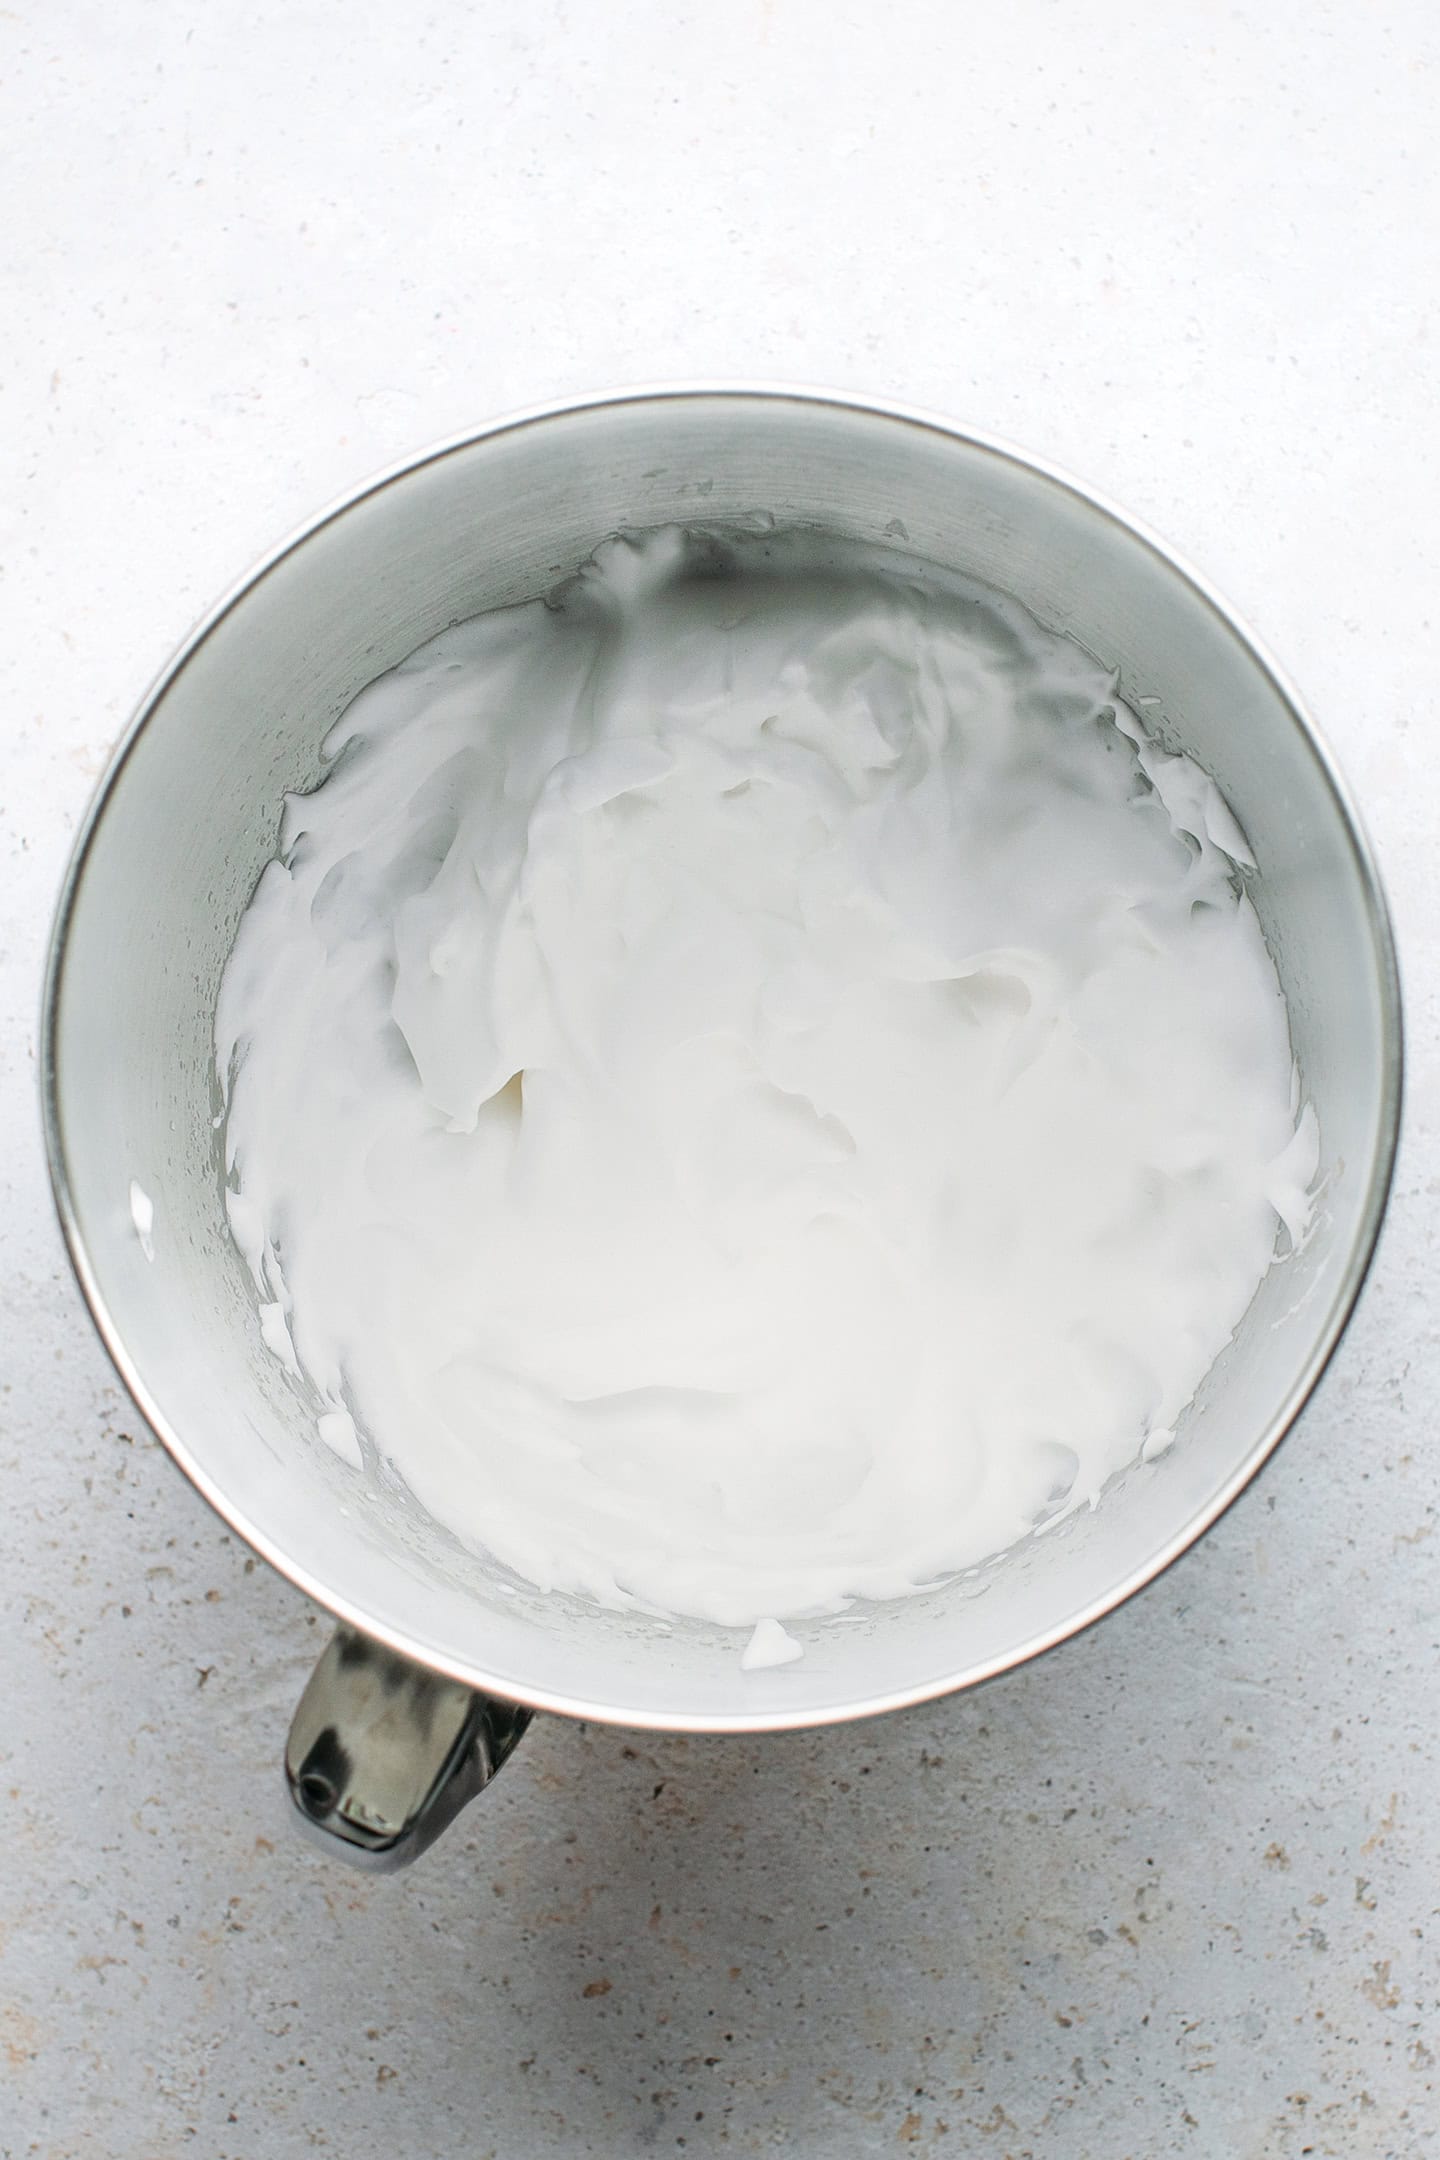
{"x":383,"y":1754}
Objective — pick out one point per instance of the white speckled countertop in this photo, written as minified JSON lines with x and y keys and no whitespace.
{"x":1174,"y":1891}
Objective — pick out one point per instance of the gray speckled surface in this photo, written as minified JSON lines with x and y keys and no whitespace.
{"x":1172,"y":1891}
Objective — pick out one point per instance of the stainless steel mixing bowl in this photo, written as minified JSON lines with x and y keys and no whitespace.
{"x":414,"y":1703}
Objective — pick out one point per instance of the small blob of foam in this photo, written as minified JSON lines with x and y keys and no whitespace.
{"x":276,"y":1332}
{"x":142,"y":1215}
{"x":769,"y":1645}
{"x":337,"y":1429}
